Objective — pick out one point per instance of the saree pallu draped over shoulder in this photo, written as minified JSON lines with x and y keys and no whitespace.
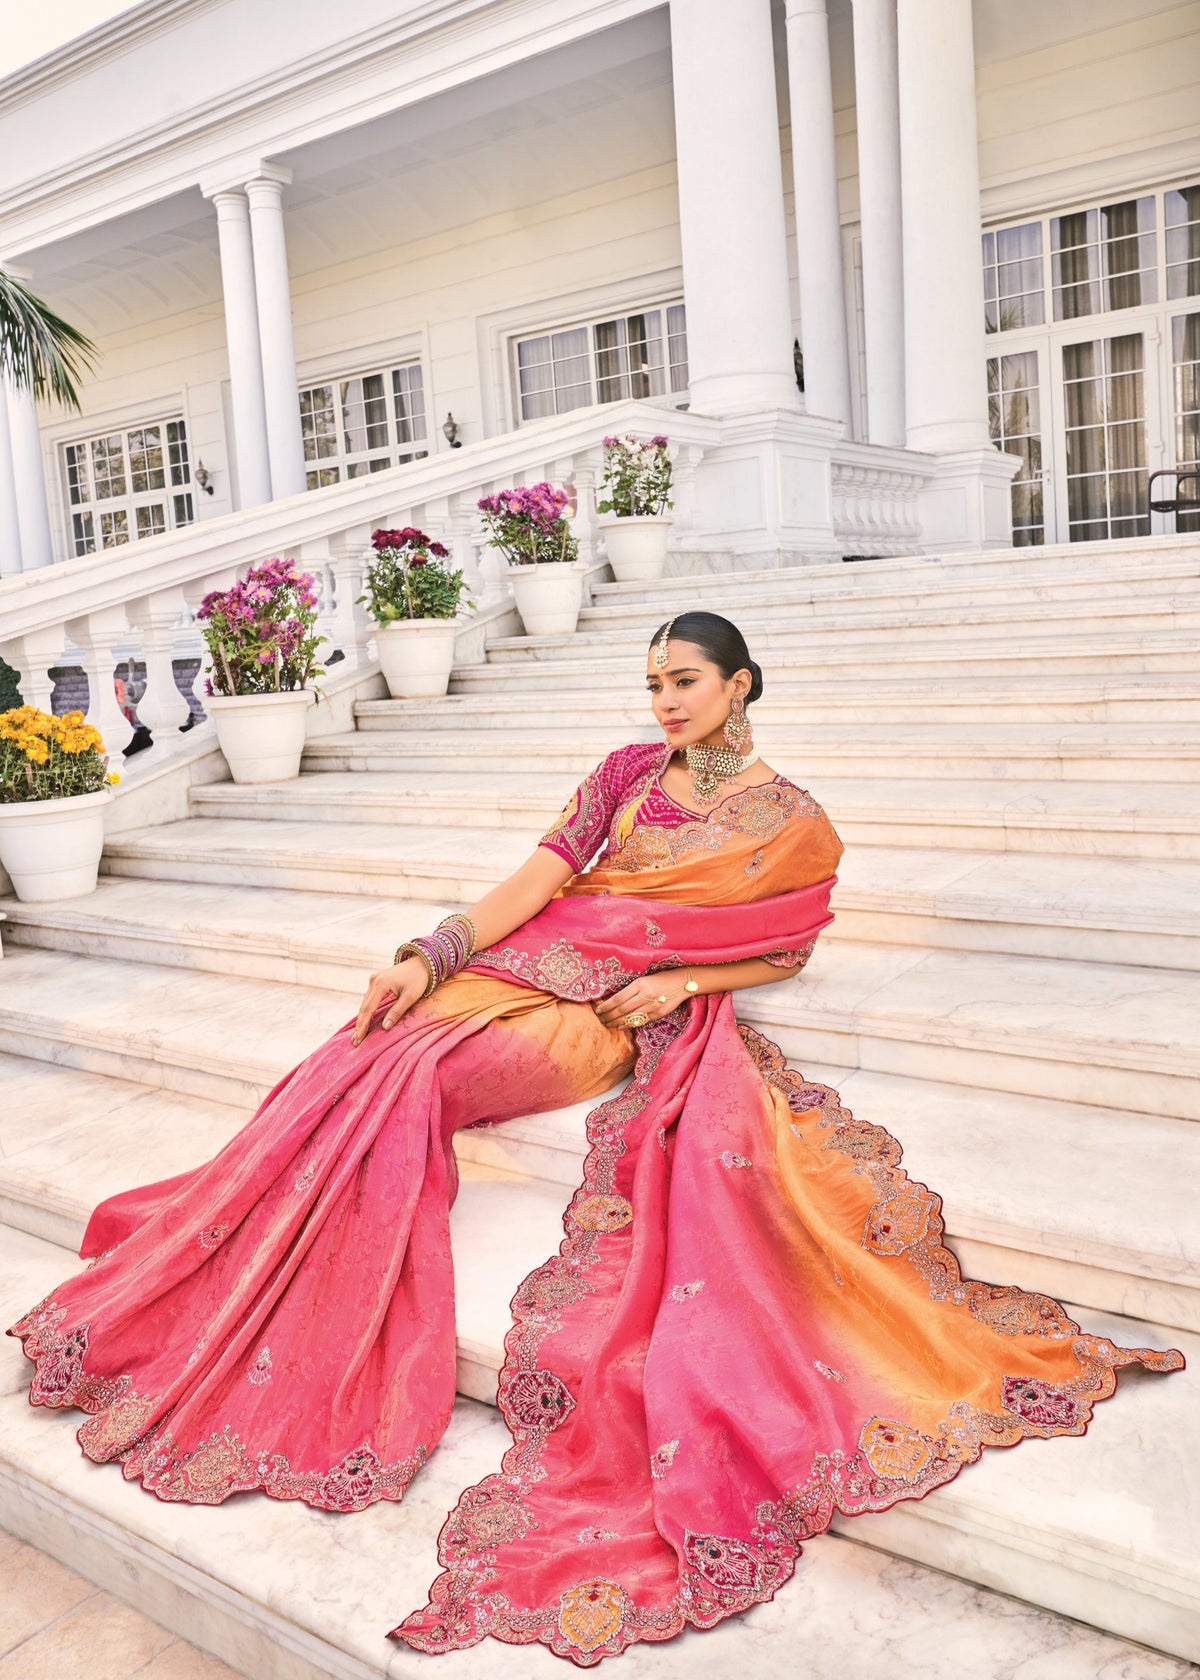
{"x":752,"y":1321}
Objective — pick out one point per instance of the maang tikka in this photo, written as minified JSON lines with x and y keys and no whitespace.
{"x":660,"y":651}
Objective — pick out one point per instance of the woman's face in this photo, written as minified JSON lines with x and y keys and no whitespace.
{"x":690,"y":698}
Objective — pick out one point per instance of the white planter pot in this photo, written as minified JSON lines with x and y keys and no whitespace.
{"x":548,"y":596}
{"x":261,"y":735}
{"x":636,"y":544}
{"x":51,"y":847}
{"x":415,"y":656}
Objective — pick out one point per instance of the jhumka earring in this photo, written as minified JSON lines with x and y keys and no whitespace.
{"x":660,"y":652}
{"x":737,"y":729}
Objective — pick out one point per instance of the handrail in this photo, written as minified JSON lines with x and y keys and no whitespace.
{"x":34,"y":601}
{"x":1173,"y":505}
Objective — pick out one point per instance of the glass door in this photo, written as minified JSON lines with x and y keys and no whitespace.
{"x":1107,"y":432}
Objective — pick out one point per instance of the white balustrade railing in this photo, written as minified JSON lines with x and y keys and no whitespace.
{"x":138,"y":602}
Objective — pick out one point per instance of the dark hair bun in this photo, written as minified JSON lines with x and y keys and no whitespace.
{"x":756,"y":681}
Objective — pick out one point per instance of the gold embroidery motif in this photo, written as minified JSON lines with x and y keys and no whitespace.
{"x":757,"y":811}
{"x":591,"y":1613}
{"x":602,"y":1213}
{"x":892,"y":1449}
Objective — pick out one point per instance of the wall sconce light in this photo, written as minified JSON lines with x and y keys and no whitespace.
{"x":450,"y":432}
{"x":203,"y":478}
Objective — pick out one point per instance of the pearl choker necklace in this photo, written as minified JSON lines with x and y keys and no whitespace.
{"x":710,"y":766}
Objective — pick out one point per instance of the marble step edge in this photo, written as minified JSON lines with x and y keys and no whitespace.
{"x":1161,"y":604}
{"x":760,"y":619}
{"x":1145,"y":1595}
{"x":435,"y":872}
{"x":400,"y":798}
{"x":789,"y":590}
{"x":1127,"y":1073}
{"x":479,"y":712}
{"x":1115,"y":559}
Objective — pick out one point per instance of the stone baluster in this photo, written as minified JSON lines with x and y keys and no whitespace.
{"x":32,"y":657}
{"x":349,"y":552}
{"x":685,"y":460}
{"x":584,"y":470}
{"x":98,"y":635}
{"x":463,"y":539}
{"x":162,"y":707}
{"x":493,"y":567}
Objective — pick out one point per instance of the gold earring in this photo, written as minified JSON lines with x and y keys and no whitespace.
{"x":737,"y":725}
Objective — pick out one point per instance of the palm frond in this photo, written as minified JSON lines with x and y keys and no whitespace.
{"x":38,"y":350}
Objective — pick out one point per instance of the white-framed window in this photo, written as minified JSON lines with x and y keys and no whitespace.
{"x":1014,"y":417}
{"x":1105,"y":401}
{"x":125,"y":484}
{"x":640,"y":353}
{"x":1013,"y":280}
{"x":1105,"y":258}
{"x":1181,"y":219}
{"x":363,"y":424}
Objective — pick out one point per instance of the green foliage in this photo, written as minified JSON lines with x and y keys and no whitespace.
{"x":38,"y":350}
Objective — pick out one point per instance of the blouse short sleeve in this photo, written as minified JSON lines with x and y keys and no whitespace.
{"x":577,"y":834}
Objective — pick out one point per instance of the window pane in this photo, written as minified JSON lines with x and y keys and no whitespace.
{"x":1081,"y":227}
{"x":1014,"y":243}
{"x":1026,"y":311}
{"x":146,"y":460}
{"x":114,"y":529}
{"x":1084,"y":403}
{"x":1019,"y":277}
{"x":1181,"y":204}
{"x":1127,"y":494}
{"x":183,"y":510}
{"x":177,"y":452}
{"x":83,"y":532}
{"x":108,"y":467}
{"x":1086,"y":499}
{"x":318,"y":422}
{"x":77,"y":474}
{"x":1085,"y":450}
{"x":151,"y":519}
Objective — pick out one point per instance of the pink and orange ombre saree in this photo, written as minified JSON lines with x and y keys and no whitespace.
{"x":752,"y":1321}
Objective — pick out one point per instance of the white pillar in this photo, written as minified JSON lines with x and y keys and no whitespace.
{"x":818,"y":219}
{"x":245,"y":357}
{"x":877,"y":117}
{"x":10,"y":523}
{"x":731,"y":221}
{"x":29,"y":480}
{"x":284,"y":440}
{"x":945,"y":373}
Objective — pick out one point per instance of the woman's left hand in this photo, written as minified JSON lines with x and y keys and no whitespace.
{"x":647,"y":999}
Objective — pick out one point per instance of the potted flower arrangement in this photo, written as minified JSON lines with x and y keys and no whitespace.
{"x":259,"y":636}
{"x":635,"y":499}
{"x":414,"y":599}
{"x":530,"y":528}
{"x":54,"y":785}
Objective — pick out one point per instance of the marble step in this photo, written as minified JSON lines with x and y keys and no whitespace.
{"x":1093,"y":1528}
{"x":1142,"y":912}
{"x":1035,"y":1192}
{"x":1169,"y":696}
{"x":1117,"y":1037}
{"x":774,"y":634}
{"x":789,"y":596}
{"x":1142,"y":752}
{"x":940,"y":653}
{"x":972,"y":568}
{"x":986,"y":577}
{"x":1107,"y":819}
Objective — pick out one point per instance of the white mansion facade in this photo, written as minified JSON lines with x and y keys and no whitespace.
{"x":314,"y":244}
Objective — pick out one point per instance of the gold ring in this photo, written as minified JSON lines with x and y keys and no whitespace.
{"x":638,"y":1019}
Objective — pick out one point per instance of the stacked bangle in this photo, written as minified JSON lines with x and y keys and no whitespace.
{"x":448,"y":948}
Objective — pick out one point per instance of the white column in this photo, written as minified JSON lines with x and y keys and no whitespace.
{"x":877,"y":119}
{"x":818,"y":218}
{"x":29,"y":480}
{"x":245,"y":357}
{"x":731,"y":208}
{"x":945,"y":375}
{"x":284,"y":441}
{"x":10,"y":523}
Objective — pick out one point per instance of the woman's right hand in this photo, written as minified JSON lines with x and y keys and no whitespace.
{"x":404,"y":983}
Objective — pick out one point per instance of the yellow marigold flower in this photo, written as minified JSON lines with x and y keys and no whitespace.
{"x":112,"y":778}
{"x":39,"y":752}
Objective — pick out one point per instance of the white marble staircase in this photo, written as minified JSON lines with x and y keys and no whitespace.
{"x":1008,"y":744}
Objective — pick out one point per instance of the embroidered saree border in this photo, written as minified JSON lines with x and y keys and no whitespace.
{"x":721,"y":1576}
